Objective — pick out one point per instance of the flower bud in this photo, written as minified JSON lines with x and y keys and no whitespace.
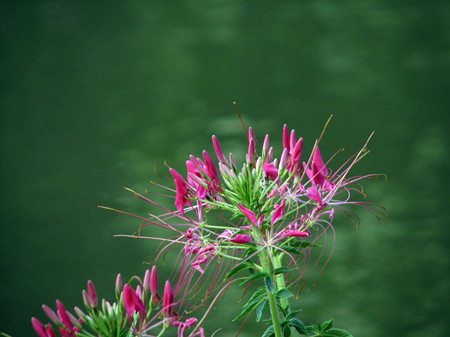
{"x":168,"y":300}
{"x":265,"y":147}
{"x":118,"y":285}
{"x":286,"y":142}
{"x":64,"y":317}
{"x":51,"y":314}
{"x":242,"y":239}
{"x":218,"y":150}
{"x":39,"y":327}
{"x":293,"y":232}
{"x":92,"y":294}
{"x":146,"y":284}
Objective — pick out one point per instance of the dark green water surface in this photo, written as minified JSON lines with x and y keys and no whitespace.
{"x":93,"y":95}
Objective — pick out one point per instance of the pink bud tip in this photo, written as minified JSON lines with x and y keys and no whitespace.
{"x":219,"y":151}
{"x":154,"y":282}
{"x":92,"y":294}
{"x":286,"y":141}
{"x":146,"y":284}
{"x":118,"y":283}
{"x":39,"y":327}
{"x":168,"y":300}
{"x":62,"y":313}
{"x":50,"y":313}
{"x":266,"y":144}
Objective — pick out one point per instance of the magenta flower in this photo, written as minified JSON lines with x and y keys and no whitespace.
{"x":270,"y":170}
{"x":182,"y":186}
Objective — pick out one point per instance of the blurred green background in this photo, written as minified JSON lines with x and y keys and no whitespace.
{"x":94,"y":94}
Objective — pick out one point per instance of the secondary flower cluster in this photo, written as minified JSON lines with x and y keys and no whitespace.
{"x":138,"y":312}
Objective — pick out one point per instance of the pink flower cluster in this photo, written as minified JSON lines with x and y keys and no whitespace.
{"x":134,"y":304}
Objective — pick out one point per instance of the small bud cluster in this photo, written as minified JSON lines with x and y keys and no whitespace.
{"x":137,"y":312}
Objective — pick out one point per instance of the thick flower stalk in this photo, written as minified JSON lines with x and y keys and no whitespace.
{"x":137,"y":312}
{"x":265,"y":217}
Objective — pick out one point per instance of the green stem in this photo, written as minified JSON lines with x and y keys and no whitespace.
{"x":281,"y":284}
{"x":265,"y":262}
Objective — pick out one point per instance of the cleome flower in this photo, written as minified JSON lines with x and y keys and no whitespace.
{"x":225,"y":216}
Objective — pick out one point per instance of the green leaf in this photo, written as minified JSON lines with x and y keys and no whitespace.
{"x":260,"y":294}
{"x":291,"y":250}
{"x":254,"y":277}
{"x":262,"y":308}
{"x":299,"y":326}
{"x":292,"y":314}
{"x":237,"y":268}
{"x":283,"y":270}
{"x":304,"y":244}
{"x":284,"y":293}
{"x":270,"y":332}
{"x":334,"y":333}
{"x":269,"y":284}
{"x":247,"y":308}
{"x":287,"y":331}
{"x":326,"y":325}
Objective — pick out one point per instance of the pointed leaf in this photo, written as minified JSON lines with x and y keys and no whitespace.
{"x":326,"y":325}
{"x":283,"y":270}
{"x":284,"y":293}
{"x":262,"y":308}
{"x":287,"y":331}
{"x":291,"y":250}
{"x":269,"y":284}
{"x":237,"y":268}
{"x":299,"y":326}
{"x":270,"y":332}
{"x":292,"y":314}
{"x":254,"y":277}
{"x":247,"y":308}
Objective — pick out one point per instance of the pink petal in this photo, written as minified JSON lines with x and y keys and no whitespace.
{"x":318,"y":162}
{"x":249,"y":214}
{"x":293,"y":232}
{"x":278,"y":213}
{"x":241,"y":238}
{"x":270,"y":170}
{"x":313,"y":194}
